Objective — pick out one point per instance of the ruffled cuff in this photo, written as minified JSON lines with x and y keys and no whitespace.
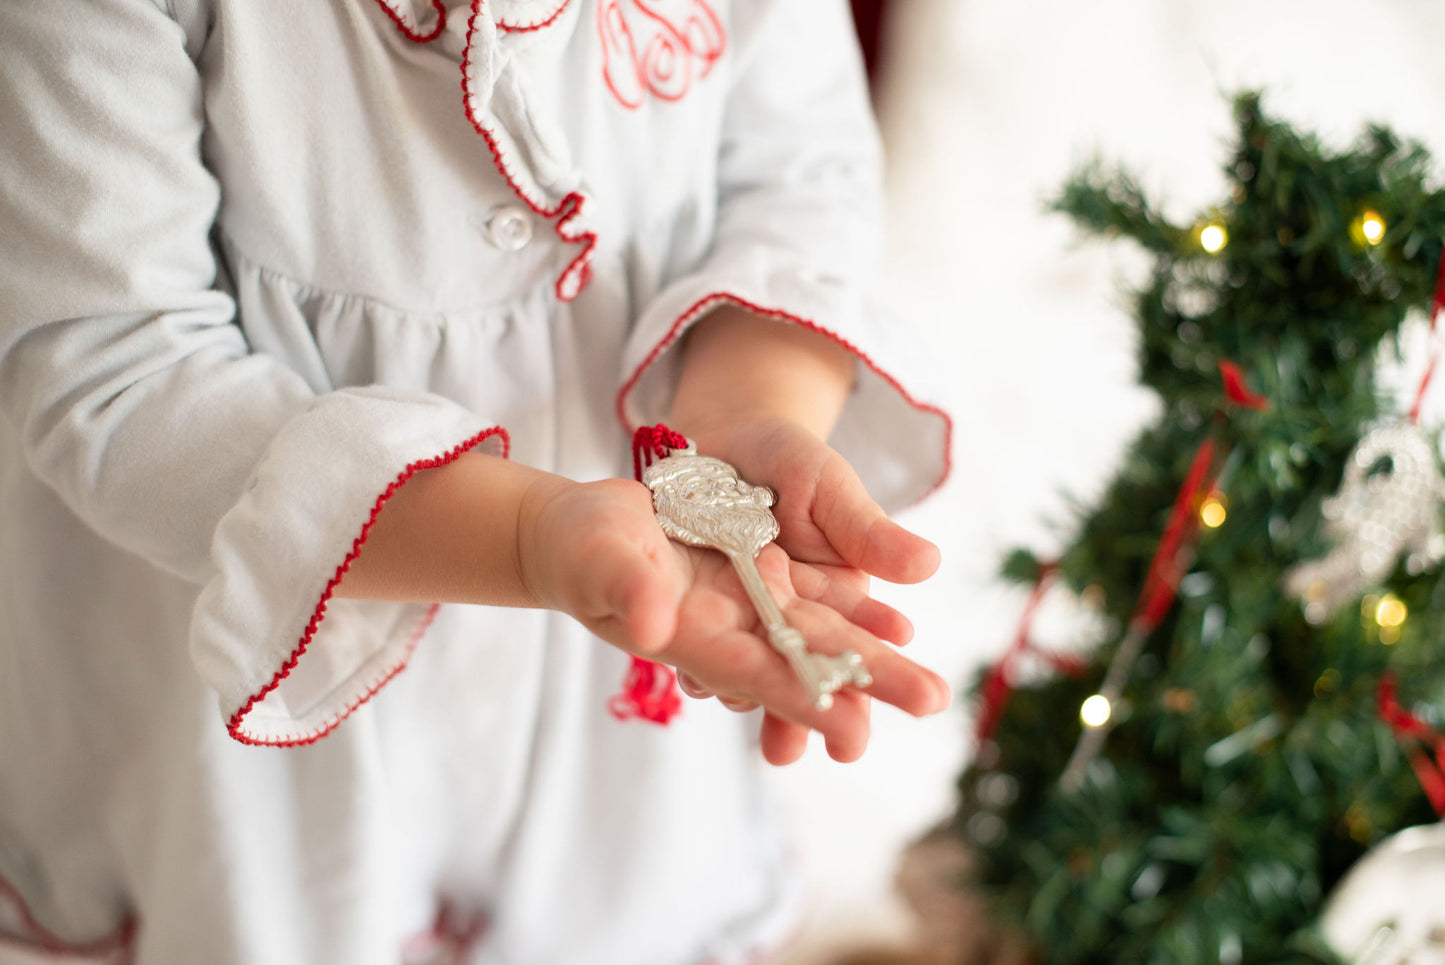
{"x":288,"y":661}
{"x":898,"y":443}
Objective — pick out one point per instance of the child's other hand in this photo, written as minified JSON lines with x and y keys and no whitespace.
{"x":826,"y":515}
{"x":595,"y":551}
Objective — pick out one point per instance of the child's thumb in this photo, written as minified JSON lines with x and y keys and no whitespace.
{"x":643,"y":591}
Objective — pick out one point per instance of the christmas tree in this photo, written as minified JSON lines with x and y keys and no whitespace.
{"x":1260,"y":712}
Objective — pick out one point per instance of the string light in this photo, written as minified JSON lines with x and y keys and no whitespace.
{"x":1213,"y":510}
{"x":1328,"y":682}
{"x":1391,"y":611}
{"x":1095,"y":711}
{"x":1384,"y":615}
{"x":1357,"y":824}
{"x":1372,"y":226}
{"x":1390,"y":614}
{"x":1213,"y":237}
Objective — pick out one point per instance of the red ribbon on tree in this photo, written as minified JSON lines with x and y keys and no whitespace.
{"x":1161,"y":581}
{"x":1412,"y":732}
{"x":1170,"y":560}
{"x":998,"y":685}
{"x":1237,"y":391}
{"x":1436,"y":304}
{"x":649,"y":691}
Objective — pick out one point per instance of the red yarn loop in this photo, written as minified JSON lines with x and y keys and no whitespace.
{"x":653,"y":441}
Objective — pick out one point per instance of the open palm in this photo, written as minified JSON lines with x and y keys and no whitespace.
{"x":604,"y":559}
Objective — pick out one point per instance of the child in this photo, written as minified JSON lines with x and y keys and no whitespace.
{"x":296,"y":343}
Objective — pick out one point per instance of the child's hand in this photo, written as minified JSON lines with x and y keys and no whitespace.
{"x":596,"y":551}
{"x":830,"y":523}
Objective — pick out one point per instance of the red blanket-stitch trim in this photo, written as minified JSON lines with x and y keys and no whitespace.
{"x":708,"y":301}
{"x":574,"y":277}
{"x":40,"y":938}
{"x":410,"y":31}
{"x":416,"y":36}
{"x":511,"y":27}
{"x":319,"y":613}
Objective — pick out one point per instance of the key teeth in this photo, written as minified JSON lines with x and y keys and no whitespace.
{"x":828,"y":674}
{"x":835,"y":673}
{"x":857,"y":673}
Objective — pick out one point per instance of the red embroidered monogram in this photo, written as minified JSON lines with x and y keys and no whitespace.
{"x":657,"y":47}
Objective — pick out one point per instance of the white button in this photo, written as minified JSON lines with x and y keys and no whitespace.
{"x":510,"y":228}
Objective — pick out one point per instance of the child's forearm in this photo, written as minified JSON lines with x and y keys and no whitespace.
{"x":455,"y":534}
{"x":739,"y":367}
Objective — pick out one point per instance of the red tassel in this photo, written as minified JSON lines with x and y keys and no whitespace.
{"x":649,"y":693}
{"x":650,"y":690}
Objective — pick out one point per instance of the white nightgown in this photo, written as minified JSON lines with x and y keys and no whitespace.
{"x":262,"y":261}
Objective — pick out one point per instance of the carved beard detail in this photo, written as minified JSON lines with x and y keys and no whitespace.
{"x":704,"y":503}
{"x":657,"y":46}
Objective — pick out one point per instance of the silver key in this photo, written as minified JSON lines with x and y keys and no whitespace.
{"x":701,"y":501}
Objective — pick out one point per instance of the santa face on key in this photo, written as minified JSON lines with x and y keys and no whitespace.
{"x":701,"y":501}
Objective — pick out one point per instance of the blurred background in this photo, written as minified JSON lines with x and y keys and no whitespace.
{"x":986,"y":106}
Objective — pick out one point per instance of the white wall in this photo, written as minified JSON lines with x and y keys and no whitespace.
{"x":986,"y":109}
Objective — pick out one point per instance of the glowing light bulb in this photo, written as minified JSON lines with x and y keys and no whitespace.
{"x":1372,"y":226}
{"x":1213,"y":510}
{"x":1390,"y":611}
{"x":1213,"y":237}
{"x":1095,"y":711}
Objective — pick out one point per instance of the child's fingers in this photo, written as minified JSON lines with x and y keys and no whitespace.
{"x":689,"y":685}
{"x":849,"y":744}
{"x":720,"y":648}
{"x":782,"y":741}
{"x":845,"y":725}
{"x":737,"y":665}
{"x":737,"y":671}
{"x":822,"y":584}
{"x":896,"y":680}
{"x":739,"y":706}
{"x":862,"y":533}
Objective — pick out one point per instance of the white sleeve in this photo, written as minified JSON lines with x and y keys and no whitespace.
{"x":798,"y":239}
{"x":137,"y":399}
